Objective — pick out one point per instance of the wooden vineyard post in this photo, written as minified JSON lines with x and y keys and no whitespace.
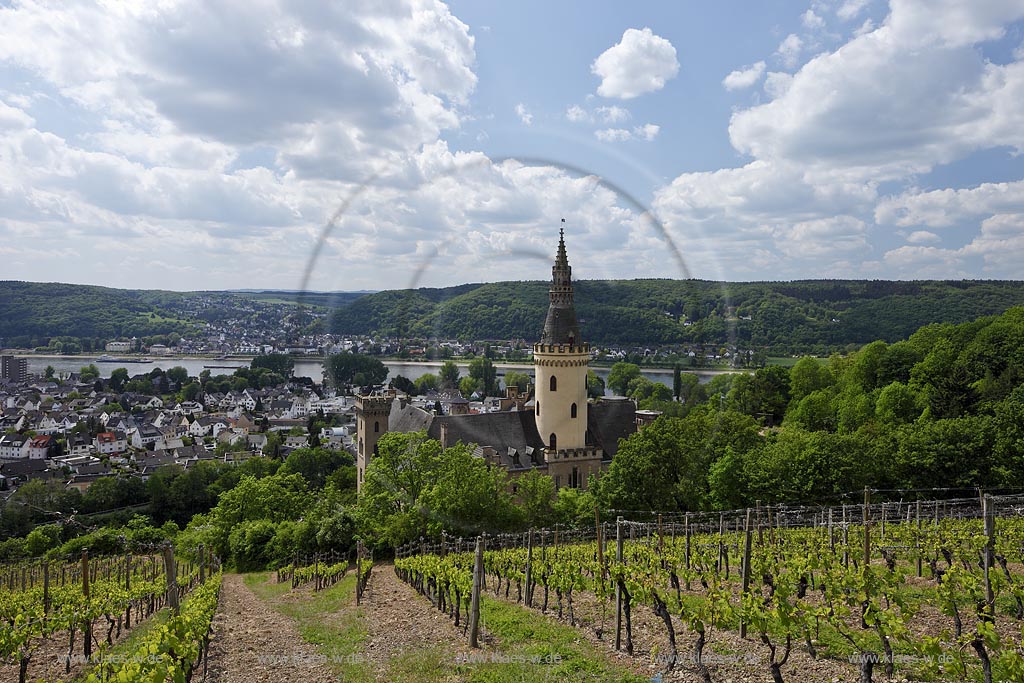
{"x":46,"y":587}
{"x":989,"y":512}
{"x":528,"y":598}
{"x":867,"y":526}
{"x":87,"y":625}
{"x":747,"y":537}
{"x":202,"y":564}
{"x":474,"y":605}
{"x":831,"y":533}
{"x":618,"y":585}
{"x":171,"y":576}
{"x":846,"y":539}
{"x":686,"y":553}
{"x":127,"y":588}
{"x":359,"y":571}
{"x":919,"y":540}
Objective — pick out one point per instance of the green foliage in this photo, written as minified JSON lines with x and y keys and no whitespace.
{"x":482,"y":370}
{"x":315,"y":464}
{"x":279,"y":363}
{"x":448,"y":377}
{"x":809,"y":316}
{"x":595,"y":385}
{"x":520,"y":380}
{"x":621,"y":375}
{"x":348,"y":369}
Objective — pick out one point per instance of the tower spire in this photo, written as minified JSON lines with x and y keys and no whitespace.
{"x":561,"y":327}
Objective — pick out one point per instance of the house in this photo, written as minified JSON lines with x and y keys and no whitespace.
{"x":40,"y":447}
{"x":108,"y":443}
{"x":14,"y":447}
{"x":145,"y":436}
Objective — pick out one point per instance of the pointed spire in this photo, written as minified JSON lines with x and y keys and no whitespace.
{"x":561,"y":326}
{"x":561,"y":259}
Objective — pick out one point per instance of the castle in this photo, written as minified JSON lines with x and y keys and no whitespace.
{"x":556,"y":430}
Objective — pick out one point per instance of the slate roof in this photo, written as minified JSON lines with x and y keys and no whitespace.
{"x":609,"y":420}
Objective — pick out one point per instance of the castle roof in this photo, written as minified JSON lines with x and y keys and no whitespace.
{"x":560,"y":326}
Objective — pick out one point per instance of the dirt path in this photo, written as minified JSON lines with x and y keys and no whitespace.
{"x":399,"y":620}
{"x":252,"y":642}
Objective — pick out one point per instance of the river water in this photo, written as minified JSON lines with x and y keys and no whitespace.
{"x":303,"y":367}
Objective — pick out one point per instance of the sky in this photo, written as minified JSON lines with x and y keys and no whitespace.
{"x":366,"y":145}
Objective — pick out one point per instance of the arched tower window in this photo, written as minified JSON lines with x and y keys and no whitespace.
{"x":376,"y":427}
{"x":553,"y":383}
{"x":553,"y":442}
{"x":537,"y":407}
{"x":572,"y":411}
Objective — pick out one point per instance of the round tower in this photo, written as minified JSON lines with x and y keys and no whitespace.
{"x":561,"y":360}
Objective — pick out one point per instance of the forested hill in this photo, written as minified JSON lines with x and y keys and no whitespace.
{"x":31,"y":313}
{"x":799,"y":316}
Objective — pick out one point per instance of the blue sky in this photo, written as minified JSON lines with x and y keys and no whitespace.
{"x":190,"y":145}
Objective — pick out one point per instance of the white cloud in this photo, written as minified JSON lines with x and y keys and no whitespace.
{"x":949,"y":207}
{"x":641,"y":62}
{"x":777,"y":83}
{"x":612,"y":114}
{"x":812,"y":21}
{"x":851,"y":8}
{"x":524,"y":114}
{"x":923,"y":237}
{"x":745,"y":77}
{"x":887,"y":105}
{"x":789,"y":50}
{"x":577,"y":114}
{"x":646,"y":132}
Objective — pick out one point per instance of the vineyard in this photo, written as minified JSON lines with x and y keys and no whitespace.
{"x":87,"y":603}
{"x":932,"y":590}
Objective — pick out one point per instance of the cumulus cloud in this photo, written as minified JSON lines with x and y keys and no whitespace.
{"x":850,"y":9}
{"x":524,"y":114}
{"x":641,"y":62}
{"x":745,"y":77}
{"x":612,"y":114}
{"x":812,"y":21}
{"x":789,"y":50}
{"x":577,"y":114}
{"x":949,"y":207}
{"x":646,"y":132}
{"x":923,"y":237}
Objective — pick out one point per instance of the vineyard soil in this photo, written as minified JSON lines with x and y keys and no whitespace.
{"x":252,"y":642}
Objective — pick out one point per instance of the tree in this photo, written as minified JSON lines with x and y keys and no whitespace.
{"x":279,"y":363}
{"x":537,"y":495}
{"x":404,"y":384}
{"x":178,"y":375}
{"x":677,"y":381}
{"x":520,"y":380}
{"x":807,"y":376}
{"x":468,"y":386}
{"x":665,"y":465}
{"x":89,"y":373}
{"x":426,"y":382}
{"x":595,"y":385}
{"x":49,"y":372}
{"x":448,"y":377}
{"x":347,"y":369}
{"x":315,"y":464}
{"x":621,"y":375}
{"x":482,"y":370}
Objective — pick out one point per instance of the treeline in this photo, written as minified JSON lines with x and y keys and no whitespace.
{"x":787,"y":317}
{"x":940,"y":412}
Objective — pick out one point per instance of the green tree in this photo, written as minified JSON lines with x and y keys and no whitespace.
{"x":348,"y":369}
{"x":520,"y":380}
{"x":178,"y":375}
{"x":536,"y":493}
{"x":404,"y":384}
{"x":89,"y":373}
{"x":808,"y":375}
{"x":448,"y":377}
{"x":315,"y":464}
{"x":426,"y":383}
{"x":621,"y":375}
{"x":595,"y":385}
{"x":482,"y":370}
{"x":49,"y":372}
{"x":279,"y":363}
{"x":468,"y":386}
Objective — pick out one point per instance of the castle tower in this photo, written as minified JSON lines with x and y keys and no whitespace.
{"x":371,"y":424}
{"x":561,"y":361}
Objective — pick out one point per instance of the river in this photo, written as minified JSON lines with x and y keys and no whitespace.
{"x":303,"y":367}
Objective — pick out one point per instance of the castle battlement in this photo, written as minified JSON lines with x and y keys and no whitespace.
{"x":373,"y":404}
{"x":583,"y":347}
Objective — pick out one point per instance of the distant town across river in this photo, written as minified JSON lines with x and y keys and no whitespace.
{"x":304,"y":367}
